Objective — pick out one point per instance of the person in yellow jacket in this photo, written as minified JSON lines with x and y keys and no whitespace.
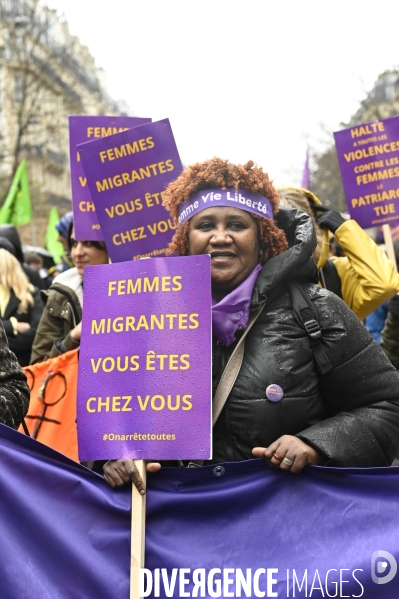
{"x":365,"y":278}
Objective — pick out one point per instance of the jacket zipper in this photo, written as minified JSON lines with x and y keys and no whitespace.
{"x":73,"y":315}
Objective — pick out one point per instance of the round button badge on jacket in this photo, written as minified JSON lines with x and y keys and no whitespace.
{"x":274,"y":393}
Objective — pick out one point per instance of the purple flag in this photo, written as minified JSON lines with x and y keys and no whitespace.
{"x":305,"y":181}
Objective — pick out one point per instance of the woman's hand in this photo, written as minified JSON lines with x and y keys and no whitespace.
{"x":22,"y":327}
{"x":292,"y":450}
{"x":76,"y":332}
{"x":121,"y":472}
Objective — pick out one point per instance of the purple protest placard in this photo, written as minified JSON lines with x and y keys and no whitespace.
{"x":127,"y":175}
{"x":368,"y":157}
{"x":81,"y":129}
{"x":144,"y":386}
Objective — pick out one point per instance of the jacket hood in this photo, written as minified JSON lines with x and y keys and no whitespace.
{"x":297,"y":262}
{"x":10,"y":232}
{"x":325,"y":244}
{"x":5,"y":244}
{"x":72,"y":279}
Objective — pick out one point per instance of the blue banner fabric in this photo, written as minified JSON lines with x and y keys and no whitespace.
{"x":327,"y":532}
{"x":237,"y":529}
{"x":64,"y":532}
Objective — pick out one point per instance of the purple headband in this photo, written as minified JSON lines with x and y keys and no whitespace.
{"x":240,"y":198}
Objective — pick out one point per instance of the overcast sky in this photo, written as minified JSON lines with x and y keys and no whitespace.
{"x":245,"y":79}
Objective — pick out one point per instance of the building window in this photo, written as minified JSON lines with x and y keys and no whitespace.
{"x":18,"y":88}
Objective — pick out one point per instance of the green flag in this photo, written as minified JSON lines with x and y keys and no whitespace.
{"x":17,"y":208}
{"x":51,"y":244}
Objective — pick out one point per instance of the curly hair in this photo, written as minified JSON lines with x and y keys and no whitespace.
{"x":223,"y":174}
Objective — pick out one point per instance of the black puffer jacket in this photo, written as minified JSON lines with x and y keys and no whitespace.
{"x":351,"y":414}
{"x":21,"y":344}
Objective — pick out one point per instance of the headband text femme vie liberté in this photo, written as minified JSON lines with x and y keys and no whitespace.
{"x":230,"y":197}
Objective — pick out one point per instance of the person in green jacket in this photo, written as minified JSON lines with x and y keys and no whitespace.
{"x":60,"y":326}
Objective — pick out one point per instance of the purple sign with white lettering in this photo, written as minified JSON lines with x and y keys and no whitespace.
{"x":127,"y":176}
{"x":144,"y":386}
{"x":368,"y":157}
{"x":81,"y":129}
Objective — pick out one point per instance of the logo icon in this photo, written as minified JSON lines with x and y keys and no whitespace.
{"x":379,"y":564}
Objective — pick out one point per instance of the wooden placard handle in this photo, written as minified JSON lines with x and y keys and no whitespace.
{"x":137,"y":543}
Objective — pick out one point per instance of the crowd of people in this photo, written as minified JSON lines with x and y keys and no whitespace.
{"x":293,"y":311}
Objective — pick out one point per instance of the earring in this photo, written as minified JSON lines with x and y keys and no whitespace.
{"x":260,"y":253}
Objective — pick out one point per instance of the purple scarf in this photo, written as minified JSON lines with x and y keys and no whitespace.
{"x":232,"y":312}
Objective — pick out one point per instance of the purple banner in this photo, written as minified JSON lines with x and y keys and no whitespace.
{"x":127,"y":176}
{"x":81,"y":129}
{"x":144,"y":387}
{"x":230,"y":197}
{"x":368,"y":157}
{"x":240,"y":530}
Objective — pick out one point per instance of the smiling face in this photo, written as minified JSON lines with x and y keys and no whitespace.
{"x":231,"y":237}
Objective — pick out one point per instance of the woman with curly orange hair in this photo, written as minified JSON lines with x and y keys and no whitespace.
{"x":219,"y":173}
{"x":310,"y":382}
